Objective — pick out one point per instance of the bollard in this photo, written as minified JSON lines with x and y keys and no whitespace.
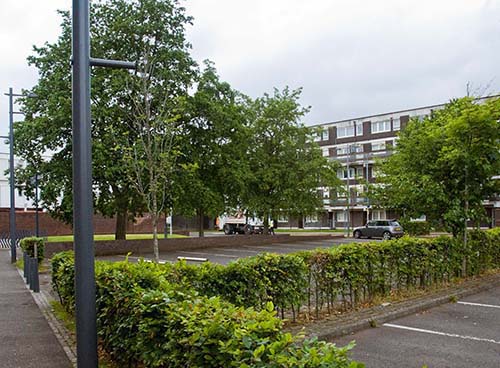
{"x":25,"y":267}
{"x":35,"y":282}
{"x":28,"y":270}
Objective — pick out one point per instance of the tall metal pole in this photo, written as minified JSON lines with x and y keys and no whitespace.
{"x":37,"y":227}
{"x":86,"y":331}
{"x":348,"y":192}
{"x":12,"y":215}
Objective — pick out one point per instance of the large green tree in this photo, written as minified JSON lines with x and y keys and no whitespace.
{"x":121,"y":30}
{"x":214,"y":140}
{"x":444,"y":166}
{"x":287,"y":166}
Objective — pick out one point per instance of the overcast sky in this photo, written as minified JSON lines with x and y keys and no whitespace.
{"x":352,"y":58}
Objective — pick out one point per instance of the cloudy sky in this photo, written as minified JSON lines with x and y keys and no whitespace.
{"x":352,"y":58}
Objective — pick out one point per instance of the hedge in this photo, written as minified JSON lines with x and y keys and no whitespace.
{"x":414,"y":228}
{"x":145,"y":320}
{"x":147,"y":312}
{"x":28,"y":246}
{"x":341,"y":277}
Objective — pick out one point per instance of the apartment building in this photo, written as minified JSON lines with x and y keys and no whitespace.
{"x":357,"y":143}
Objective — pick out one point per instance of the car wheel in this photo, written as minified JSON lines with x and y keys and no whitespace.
{"x":386,"y":235}
{"x":357,"y":234}
{"x":227,"y":230}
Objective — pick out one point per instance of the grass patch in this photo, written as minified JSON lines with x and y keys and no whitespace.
{"x":101,"y":237}
{"x":285,"y":230}
{"x":67,"y":319}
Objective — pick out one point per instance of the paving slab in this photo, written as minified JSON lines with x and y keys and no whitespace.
{"x":26,"y":339}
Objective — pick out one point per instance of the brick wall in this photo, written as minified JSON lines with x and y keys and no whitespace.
{"x":142,"y":247}
{"x":25,"y":220}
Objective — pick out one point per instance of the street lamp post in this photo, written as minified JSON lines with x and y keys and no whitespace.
{"x":37,"y":227}
{"x":12,"y":182}
{"x":12,"y":216}
{"x":86,"y":329}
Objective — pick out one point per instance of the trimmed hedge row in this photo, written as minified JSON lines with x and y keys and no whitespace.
{"x":28,"y":246}
{"x":343,"y":276}
{"x":174,"y":315}
{"x":145,"y":320}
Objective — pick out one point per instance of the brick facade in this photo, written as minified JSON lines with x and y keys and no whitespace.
{"x":25,"y":220}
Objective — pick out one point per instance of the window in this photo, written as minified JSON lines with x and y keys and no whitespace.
{"x":282,"y":218}
{"x":354,"y":148}
{"x":342,"y":173}
{"x":381,"y":126}
{"x":326,"y":152}
{"x":396,"y":124}
{"x":380,"y":146}
{"x":311,"y":218}
{"x":378,"y":214}
{"x":359,"y":129}
{"x":341,"y":216}
{"x":342,"y":150}
{"x":345,"y":131}
{"x":323,"y":135}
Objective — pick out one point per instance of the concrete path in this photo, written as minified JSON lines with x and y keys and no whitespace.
{"x":26,"y":340}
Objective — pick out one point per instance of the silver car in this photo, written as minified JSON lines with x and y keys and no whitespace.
{"x":385,"y":229}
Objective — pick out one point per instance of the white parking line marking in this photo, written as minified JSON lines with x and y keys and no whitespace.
{"x":145,"y":259}
{"x":441,"y":333}
{"x":210,"y":254}
{"x":480,"y":305}
{"x":237,"y":250}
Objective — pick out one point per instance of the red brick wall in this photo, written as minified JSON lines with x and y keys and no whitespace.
{"x":145,"y":247}
{"x":25,"y":220}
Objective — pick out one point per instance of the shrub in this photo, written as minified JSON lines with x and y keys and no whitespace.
{"x":28,"y":246}
{"x":212,"y":315}
{"x":415,"y":228}
{"x":145,"y":320}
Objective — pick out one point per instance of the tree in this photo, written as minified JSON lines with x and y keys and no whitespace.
{"x":214,"y":140}
{"x":287,"y":167}
{"x":152,"y":153}
{"x":122,"y":30}
{"x":444,"y":166}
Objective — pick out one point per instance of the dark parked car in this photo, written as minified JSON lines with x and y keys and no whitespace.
{"x":385,"y":229}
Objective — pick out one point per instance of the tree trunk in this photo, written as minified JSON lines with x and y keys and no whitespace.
{"x":266,"y":225}
{"x":121,"y":224}
{"x":464,"y":259}
{"x":201,"y":230}
{"x":154,"y":216}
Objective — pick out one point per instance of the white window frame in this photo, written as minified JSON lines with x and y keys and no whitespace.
{"x":340,"y":216}
{"x":396,"y":124}
{"x":342,"y":173}
{"x":282,"y":218}
{"x":345,"y":131}
{"x":325,"y":152}
{"x":343,"y":150}
{"x":379,"y":215}
{"x":311,"y":219}
{"x":359,"y":129}
{"x":381,"y":126}
{"x":325,"y":134}
{"x":378,"y":146}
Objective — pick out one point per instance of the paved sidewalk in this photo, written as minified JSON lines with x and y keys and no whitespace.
{"x":26,"y":340}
